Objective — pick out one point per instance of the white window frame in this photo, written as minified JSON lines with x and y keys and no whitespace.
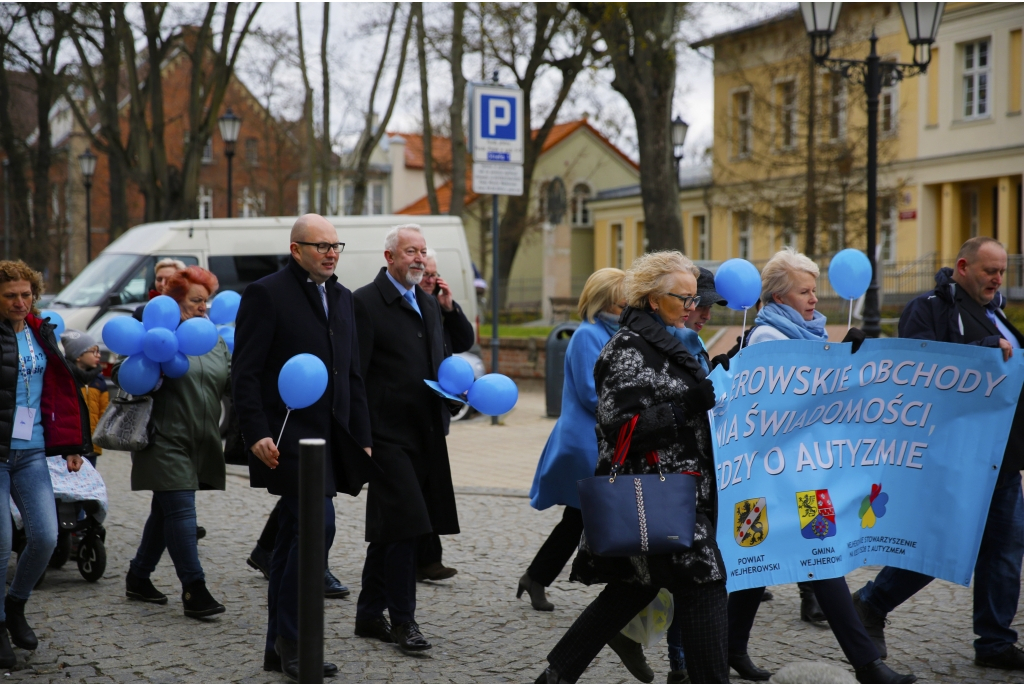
{"x":786,"y":110}
{"x":743,"y":136}
{"x":979,"y":76}
{"x":887,"y":231}
{"x":744,"y":234}
{"x":837,"y":107}
{"x":252,"y":151}
{"x":581,"y":214}
{"x":893,"y":94}
{"x":703,"y":252}
{"x":207,"y":153}
{"x":204,"y":202}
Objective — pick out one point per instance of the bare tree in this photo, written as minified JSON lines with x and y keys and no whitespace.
{"x":325,"y":144}
{"x":428,"y":130}
{"x":374,"y":130}
{"x":15,"y":148}
{"x":640,"y":45}
{"x":458,"y":106}
{"x":307,"y":116}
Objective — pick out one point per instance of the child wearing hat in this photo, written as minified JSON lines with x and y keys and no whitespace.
{"x":84,"y":354}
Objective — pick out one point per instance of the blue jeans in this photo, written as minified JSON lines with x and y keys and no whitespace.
{"x":25,"y":477}
{"x":172,"y":526}
{"x":996,"y":573}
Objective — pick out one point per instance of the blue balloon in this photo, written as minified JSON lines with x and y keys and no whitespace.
{"x":196,"y":336}
{"x":850,"y":273}
{"x":138,"y":374}
{"x":161,"y":312}
{"x":124,"y":335}
{"x":302,"y":381}
{"x":455,"y":375}
{"x":739,"y":282}
{"x":176,"y":366}
{"x":493,"y":394}
{"x":56,"y":319}
{"x":160,"y":345}
{"x":225,"y":307}
{"x":228,"y":333}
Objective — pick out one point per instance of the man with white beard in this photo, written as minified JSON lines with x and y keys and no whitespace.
{"x":401,"y":344}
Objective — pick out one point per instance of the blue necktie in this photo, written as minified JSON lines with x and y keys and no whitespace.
{"x":323,"y":298}
{"x":410,"y":297}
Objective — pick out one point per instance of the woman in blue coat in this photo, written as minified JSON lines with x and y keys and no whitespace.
{"x":571,"y":451}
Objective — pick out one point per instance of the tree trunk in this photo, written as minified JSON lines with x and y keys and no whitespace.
{"x":17,"y":163}
{"x":428,"y":132}
{"x":455,"y":113}
{"x":811,"y":235}
{"x":325,"y":145}
{"x":307,"y":118}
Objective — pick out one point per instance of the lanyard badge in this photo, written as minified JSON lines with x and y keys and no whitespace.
{"x":25,"y":375}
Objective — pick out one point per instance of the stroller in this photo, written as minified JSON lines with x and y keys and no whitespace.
{"x":81,"y":500}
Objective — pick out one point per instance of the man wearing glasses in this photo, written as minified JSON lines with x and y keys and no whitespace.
{"x":300,"y":309}
{"x":401,"y":344}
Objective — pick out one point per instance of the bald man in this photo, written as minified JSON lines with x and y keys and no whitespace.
{"x":300,"y":309}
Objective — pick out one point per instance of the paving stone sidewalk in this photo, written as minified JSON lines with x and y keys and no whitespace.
{"x":480,"y":631}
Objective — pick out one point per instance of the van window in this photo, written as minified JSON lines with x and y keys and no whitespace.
{"x":234,"y":273}
{"x":109,"y":271}
{"x":137,"y":287}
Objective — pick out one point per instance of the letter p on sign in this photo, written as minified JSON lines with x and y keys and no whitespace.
{"x":499,"y":117}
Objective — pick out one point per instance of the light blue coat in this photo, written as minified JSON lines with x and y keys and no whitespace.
{"x":571,"y":451}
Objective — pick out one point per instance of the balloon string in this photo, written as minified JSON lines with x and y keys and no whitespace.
{"x":287,"y":414}
{"x":744,"y":330}
{"x":849,"y":320}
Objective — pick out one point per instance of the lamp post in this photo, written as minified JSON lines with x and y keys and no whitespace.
{"x":230,"y":124}
{"x":679,"y":128}
{"x":921,"y":21}
{"x":87,"y":163}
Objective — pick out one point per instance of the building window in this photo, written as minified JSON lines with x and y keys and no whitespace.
{"x":837,"y":108}
{"x":787,"y":120}
{"x":303,"y":207}
{"x":252,"y":151}
{"x":834,"y":225}
{"x":971,"y":202}
{"x":887,"y":229}
{"x":375,"y":200}
{"x":975,"y":79}
{"x":744,"y":220}
{"x":618,"y":246}
{"x":349,"y":195}
{"x":888,"y":108}
{"x":742,"y":106}
{"x":787,"y":226}
{"x":700,"y":224}
{"x":208,"y":151}
{"x":253,"y":204}
{"x":580,"y":208}
{"x":332,"y":198}
{"x":205,"y":200}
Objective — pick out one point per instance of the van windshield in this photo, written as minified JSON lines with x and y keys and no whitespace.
{"x":96,"y":280}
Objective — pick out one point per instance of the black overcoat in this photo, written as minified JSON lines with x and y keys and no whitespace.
{"x":398,"y":350}
{"x":279,"y":317}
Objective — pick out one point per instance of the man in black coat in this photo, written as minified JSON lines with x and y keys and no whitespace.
{"x":965,"y":308}
{"x":401,"y":343}
{"x":300,"y":309}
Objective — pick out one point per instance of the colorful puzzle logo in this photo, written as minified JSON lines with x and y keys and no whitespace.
{"x":817,"y":515}
{"x":872,"y":507}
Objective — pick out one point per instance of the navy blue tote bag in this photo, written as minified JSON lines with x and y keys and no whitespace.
{"x":633,"y":515}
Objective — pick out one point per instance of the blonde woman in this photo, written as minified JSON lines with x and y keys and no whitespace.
{"x":571,"y":451}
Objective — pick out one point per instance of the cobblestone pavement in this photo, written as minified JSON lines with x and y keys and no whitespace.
{"x":481,"y":633}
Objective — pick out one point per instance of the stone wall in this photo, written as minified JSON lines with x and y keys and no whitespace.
{"x":517,"y":357}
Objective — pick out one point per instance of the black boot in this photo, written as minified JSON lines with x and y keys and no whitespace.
{"x":873,"y":621}
{"x":272,"y":662}
{"x":142,"y":589}
{"x":536,"y":591}
{"x":810,"y":610}
{"x":7,"y":658}
{"x":259,"y":559}
{"x":633,"y":658}
{"x":21,"y":634}
{"x":549,"y":675}
{"x":198,"y":601}
{"x":742,"y":664}
{"x":878,"y":672}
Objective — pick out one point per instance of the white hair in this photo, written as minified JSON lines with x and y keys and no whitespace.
{"x":431,"y":253}
{"x":777,"y":275}
{"x":170,"y":262}
{"x":391,"y":239}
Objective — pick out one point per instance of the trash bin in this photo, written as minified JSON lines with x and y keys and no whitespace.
{"x":554,"y":368}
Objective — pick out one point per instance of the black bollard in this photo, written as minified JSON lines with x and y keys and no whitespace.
{"x":311,"y":561}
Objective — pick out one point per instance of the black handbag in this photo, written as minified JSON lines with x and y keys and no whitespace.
{"x":125,"y":424}
{"x":632,"y":515}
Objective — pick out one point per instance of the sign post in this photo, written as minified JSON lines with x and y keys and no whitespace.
{"x":497,"y":143}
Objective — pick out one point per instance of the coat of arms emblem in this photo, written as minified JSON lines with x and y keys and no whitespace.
{"x":751,"y":522}
{"x":817,"y":515}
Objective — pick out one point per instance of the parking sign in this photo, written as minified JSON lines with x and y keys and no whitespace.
{"x":497,"y":123}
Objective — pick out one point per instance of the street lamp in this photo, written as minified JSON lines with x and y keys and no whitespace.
{"x":87,"y":163}
{"x":230,"y":124}
{"x":679,"y":128}
{"x":921,"y":21}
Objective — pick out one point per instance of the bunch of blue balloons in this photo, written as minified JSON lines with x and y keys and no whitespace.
{"x":493,"y":394}
{"x":223,"y":311}
{"x":158,"y":344}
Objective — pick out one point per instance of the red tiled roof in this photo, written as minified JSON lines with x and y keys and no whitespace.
{"x":441,"y":146}
{"x":421,"y":207}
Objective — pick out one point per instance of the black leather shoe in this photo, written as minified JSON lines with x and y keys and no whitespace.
{"x":435,"y":571}
{"x":742,"y":664}
{"x":874,"y":623}
{"x":549,"y":675}
{"x":767,"y":596}
{"x":878,"y":672}
{"x":633,"y":658}
{"x":333,"y":589}
{"x":379,"y":628}
{"x":288,"y":658}
{"x":21,"y":633}
{"x":536,"y":591}
{"x":200,"y":533}
{"x":409,"y":638}
{"x":272,"y":662}
{"x":677,"y":677}
{"x":142,"y":589}
{"x":198,"y":601}
{"x":7,"y":657}
{"x":259,"y":559}
{"x":1010,"y":659}
{"x":810,"y":610}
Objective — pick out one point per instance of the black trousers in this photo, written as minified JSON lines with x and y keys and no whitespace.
{"x":389,"y":582}
{"x":834,"y":597}
{"x":700,"y":609}
{"x":428,"y":549}
{"x":269,"y":535}
{"x":556,"y":551}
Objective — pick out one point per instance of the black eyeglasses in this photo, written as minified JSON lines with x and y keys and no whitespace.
{"x":687,"y":300}
{"x":324,"y":248}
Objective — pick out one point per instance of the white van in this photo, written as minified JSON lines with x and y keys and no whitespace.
{"x":240,"y":251}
